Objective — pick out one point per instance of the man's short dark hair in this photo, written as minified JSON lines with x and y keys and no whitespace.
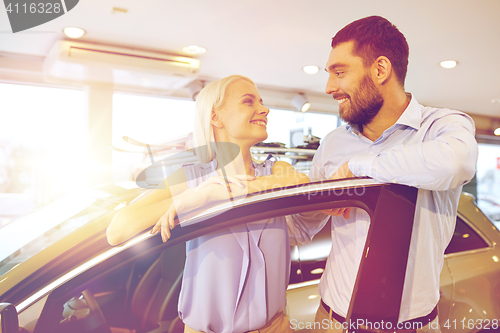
{"x":373,"y":37}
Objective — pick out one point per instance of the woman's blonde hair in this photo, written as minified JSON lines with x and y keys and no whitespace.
{"x":212,"y":97}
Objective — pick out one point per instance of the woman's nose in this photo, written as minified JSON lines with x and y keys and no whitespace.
{"x":264,"y":110}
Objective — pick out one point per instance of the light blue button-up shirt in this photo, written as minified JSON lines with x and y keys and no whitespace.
{"x":428,"y":148}
{"x":235,"y":280}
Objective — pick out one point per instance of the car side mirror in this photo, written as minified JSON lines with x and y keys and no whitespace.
{"x":9,"y":322}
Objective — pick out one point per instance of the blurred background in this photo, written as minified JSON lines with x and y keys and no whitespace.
{"x":64,"y":114}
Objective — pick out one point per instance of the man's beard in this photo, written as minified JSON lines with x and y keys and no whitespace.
{"x":364,"y":104}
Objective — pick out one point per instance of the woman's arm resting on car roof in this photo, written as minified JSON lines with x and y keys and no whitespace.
{"x":217,"y":190}
{"x":284,"y":174}
{"x":145,"y":212}
{"x":157,"y":208}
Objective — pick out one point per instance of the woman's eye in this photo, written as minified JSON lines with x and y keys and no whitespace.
{"x":248,"y":101}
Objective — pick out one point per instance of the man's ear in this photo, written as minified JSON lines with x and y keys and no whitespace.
{"x":382,"y":70}
{"x":216,"y":120}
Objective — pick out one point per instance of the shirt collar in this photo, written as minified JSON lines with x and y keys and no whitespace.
{"x":411,"y":117}
{"x":352,"y":128}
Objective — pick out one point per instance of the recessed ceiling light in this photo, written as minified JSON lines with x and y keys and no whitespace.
{"x":495,"y":100}
{"x":497,"y":132}
{"x":73,"y":32}
{"x":194,"y":49}
{"x":312,"y":69}
{"x":448,"y":63}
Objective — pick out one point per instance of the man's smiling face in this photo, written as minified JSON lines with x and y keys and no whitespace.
{"x":350,"y":83}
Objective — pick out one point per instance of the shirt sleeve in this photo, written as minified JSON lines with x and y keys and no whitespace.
{"x":445,"y":160}
{"x":302,"y":227}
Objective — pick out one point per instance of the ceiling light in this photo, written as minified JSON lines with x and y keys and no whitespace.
{"x":195,"y":88}
{"x":301,"y":103}
{"x":317,"y":271}
{"x":73,"y":32}
{"x":497,"y":132}
{"x":448,"y":63}
{"x":194,"y":49}
{"x":119,"y":10}
{"x":312,"y":69}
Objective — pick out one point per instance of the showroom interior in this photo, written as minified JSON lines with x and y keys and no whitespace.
{"x":98,"y":106}
{"x":62,"y":134}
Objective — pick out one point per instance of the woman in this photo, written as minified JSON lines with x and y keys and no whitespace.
{"x":234,"y":280}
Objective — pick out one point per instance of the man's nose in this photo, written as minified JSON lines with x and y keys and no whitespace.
{"x":331,"y":85}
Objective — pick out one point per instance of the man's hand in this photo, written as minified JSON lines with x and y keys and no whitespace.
{"x":342,"y":172}
{"x":346,"y":212}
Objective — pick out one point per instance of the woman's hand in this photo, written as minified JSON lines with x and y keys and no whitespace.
{"x":183,"y":202}
{"x":166,"y":223}
{"x":195,"y":198}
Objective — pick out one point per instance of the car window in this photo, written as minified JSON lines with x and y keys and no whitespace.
{"x":464,"y":239}
{"x":309,"y":260}
{"x":39,"y":236}
{"x":26,"y":236}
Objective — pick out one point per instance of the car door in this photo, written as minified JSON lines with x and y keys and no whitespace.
{"x":379,"y":282}
{"x":473,"y":261}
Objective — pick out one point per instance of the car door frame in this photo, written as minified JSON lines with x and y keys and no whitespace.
{"x":383,"y":202}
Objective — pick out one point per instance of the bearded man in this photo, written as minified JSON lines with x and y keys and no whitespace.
{"x":389,"y":137}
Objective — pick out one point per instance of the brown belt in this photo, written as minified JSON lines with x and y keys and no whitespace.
{"x":423,"y":320}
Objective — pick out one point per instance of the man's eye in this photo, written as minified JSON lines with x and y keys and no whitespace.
{"x":339,"y":73}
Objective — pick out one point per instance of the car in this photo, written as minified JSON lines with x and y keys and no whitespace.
{"x":469,"y":281}
{"x":490,"y":207}
{"x":69,"y":279}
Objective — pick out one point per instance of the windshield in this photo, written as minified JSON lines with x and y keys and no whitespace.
{"x":31,"y":234}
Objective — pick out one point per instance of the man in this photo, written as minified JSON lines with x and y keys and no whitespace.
{"x":391,"y":138}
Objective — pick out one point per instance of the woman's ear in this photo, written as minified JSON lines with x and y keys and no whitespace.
{"x":216,"y":120}
{"x":382,"y":70}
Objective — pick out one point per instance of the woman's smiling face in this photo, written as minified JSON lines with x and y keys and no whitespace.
{"x":242,"y":119}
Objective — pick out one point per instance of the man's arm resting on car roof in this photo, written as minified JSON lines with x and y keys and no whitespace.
{"x":444,"y":162}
